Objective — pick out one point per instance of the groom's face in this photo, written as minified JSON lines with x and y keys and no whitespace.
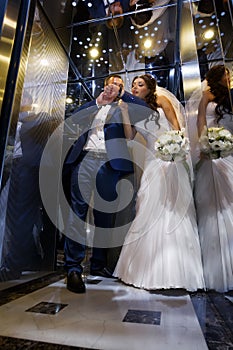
{"x":115,"y":81}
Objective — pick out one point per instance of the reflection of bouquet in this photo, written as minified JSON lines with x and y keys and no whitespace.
{"x":172,"y":146}
{"x":217,"y":142}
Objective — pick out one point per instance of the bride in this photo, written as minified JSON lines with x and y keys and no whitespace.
{"x":214,"y":185}
{"x":161,"y":249}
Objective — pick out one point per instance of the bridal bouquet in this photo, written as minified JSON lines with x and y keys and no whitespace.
{"x":172,"y":146}
{"x":217,"y":142}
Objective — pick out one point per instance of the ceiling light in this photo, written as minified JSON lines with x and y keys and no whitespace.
{"x":94,"y":53}
{"x":147,"y":43}
{"x":69,"y":100}
{"x":208,"y":34}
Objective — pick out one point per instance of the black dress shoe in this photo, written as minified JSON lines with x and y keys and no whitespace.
{"x":102,"y":273}
{"x":9,"y":275}
{"x":75,"y":283}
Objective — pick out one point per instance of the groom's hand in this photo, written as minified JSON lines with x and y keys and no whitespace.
{"x":109,"y":95}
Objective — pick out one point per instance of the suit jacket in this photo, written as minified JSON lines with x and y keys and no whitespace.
{"x":116,"y":145}
{"x":127,"y":97}
{"x":34,"y":134}
{"x":115,"y":142}
{"x":138,"y":109}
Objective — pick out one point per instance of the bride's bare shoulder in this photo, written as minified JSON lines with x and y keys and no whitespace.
{"x":162,"y":99}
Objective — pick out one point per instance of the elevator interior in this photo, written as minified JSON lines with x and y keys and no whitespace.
{"x":61,"y":57}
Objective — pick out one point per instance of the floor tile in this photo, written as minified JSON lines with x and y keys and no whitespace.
{"x":102,"y":318}
{"x":47,"y":308}
{"x":143,"y":316}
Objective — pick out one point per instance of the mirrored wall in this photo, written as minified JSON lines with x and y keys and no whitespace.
{"x":28,"y":238}
{"x":175,"y":41}
{"x":68,"y":50}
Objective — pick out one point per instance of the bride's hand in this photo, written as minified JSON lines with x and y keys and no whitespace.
{"x":123,"y":106}
{"x":204,"y":156}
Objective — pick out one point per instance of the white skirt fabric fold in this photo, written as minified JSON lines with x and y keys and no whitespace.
{"x":214,"y":203}
{"x":162,"y":249}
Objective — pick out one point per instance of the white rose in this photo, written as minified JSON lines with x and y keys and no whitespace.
{"x":217,"y":145}
{"x":225,"y":133}
{"x":164,"y":139}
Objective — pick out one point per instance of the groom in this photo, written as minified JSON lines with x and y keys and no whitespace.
{"x":98,"y":160}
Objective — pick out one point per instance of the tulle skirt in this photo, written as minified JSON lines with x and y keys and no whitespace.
{"x":214,"y":204}
{"x":162,"y":249}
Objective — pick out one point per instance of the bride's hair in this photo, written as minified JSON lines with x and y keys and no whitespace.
{"x":151,"y":97}
{"x":220,"y":92}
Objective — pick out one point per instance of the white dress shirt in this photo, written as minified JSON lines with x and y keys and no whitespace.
{"x":96,"y":141}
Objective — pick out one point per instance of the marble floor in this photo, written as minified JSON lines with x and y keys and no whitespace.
{"x":38,"y":312}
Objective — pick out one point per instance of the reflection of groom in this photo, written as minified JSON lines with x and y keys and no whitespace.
{"x":22,"y":251}
{"x":107,"y":156}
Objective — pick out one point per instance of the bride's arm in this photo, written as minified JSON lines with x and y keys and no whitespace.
{"x":129,"y":130}
{"x":169,"y":111}
{"x":207,"y":97}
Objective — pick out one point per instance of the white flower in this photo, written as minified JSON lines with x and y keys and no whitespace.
{"x":217,"y":145}
{"x":227,"y":146}
{"x":164,"y":139}
{"x":225,"y":133}
{"x":172,"y":146}
{"x":217,"y":142}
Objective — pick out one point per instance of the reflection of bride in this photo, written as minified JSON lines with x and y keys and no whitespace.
{"x":214,"y":189}
{"x":161,"y":249}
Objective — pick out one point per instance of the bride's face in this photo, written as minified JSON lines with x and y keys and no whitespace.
{"x":139,"y":88}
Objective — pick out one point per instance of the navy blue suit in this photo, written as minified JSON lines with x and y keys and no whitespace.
{"x":85,"y":180}
{"x":84,"y":116}
{"x":24,"y":204}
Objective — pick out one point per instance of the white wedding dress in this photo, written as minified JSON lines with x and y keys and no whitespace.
{"x":214,"y":204}
{"x":161,"y":249}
